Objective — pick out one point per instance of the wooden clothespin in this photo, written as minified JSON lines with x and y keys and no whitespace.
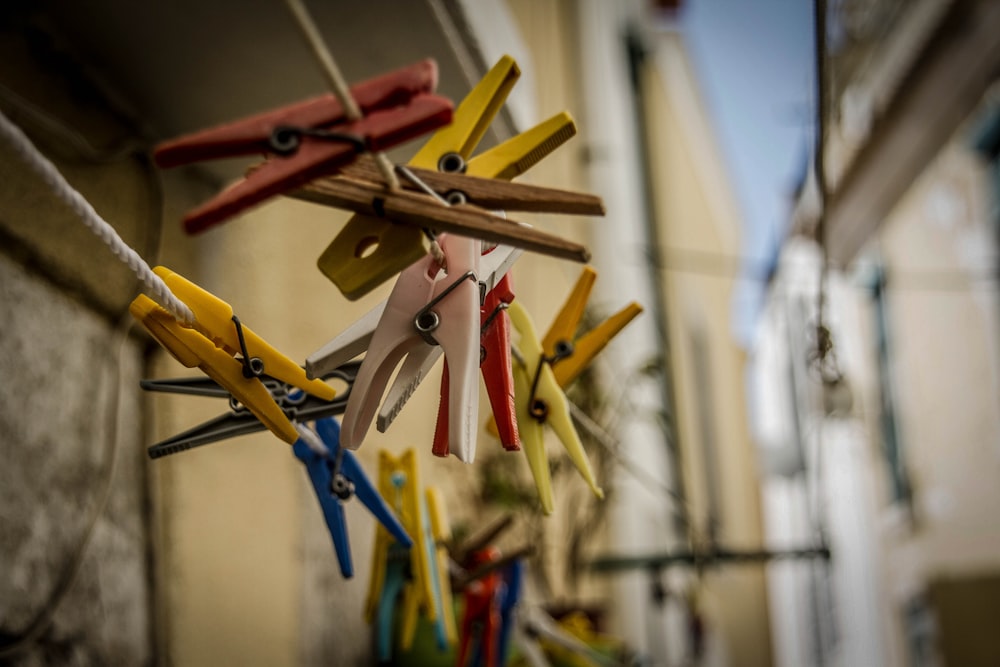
{"x":310,"y":139}
{"x":369,"y":250}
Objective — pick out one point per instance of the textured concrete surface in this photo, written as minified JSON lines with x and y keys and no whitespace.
{"x":60,"y":368}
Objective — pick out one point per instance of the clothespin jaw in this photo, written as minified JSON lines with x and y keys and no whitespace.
{"x":312,"y":138}
{"x":540,"y":401}
{"x":215,"y":320}
{"x":369,"y":251}
{"x":336,"y":475}
{"x":192,"y":349}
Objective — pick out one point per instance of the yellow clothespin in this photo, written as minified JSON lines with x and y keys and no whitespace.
{"x":369,"y":251}
{"x":194,"y":350}
{"x":563,"y":331}
{"x":545,"y":367}
{"x":428,"y":586}
{"x":213,"y":342}
{"x":540,"y":401}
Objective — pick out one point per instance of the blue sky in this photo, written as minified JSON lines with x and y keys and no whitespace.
{"x":755,"y":60}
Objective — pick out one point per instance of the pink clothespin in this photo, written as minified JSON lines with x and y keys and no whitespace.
{"x":428,"y":306}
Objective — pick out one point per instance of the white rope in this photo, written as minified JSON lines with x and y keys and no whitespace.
{"x":82,"y":208}
{"x":336,"y":80}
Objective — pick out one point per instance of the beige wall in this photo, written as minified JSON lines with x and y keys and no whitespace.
{"x":938,"y":246}
{"x":696,"y":214}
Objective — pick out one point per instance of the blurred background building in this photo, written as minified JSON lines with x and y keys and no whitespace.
{"x":799,"y":438}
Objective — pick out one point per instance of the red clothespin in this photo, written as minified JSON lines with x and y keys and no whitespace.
{"x":495,"y":363}
{"x":482,"y":611}
{"x":310,"y":139}
{"x":427,"y":307}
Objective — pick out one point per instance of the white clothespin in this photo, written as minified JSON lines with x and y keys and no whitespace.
{"x":427,"y":307}
{"x":493,"y":266}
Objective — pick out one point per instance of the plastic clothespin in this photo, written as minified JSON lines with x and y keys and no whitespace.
{"x":481,"y":618}
{"x":493,"y":266}
{"x":312,"y":138}
{"x":507,"y":160}
{"x":336,"y":475}
{"x":541,"y":402}
{"x":212,"y":344}
{"x":541,"y":636}
{"x":389,"y":589}
{"x":296,"y":405}
{"x":426,"y":307}
{"x":559,"y":359}
{"x":513,"y":574}
{"x":562,"y":333}
{"x":369,"y":251}
{"x":498,"y":375}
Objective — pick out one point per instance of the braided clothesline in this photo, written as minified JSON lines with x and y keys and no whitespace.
{"x":86,"y":213}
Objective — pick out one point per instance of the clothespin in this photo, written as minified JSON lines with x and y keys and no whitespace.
{"x":368,"y":250}
{"x":310,"y":139}
{"x":562,"y":333}
{"x":336,"y":475}
{"x":393,"y":248}
{"x":296,"y":405}
{"x":512,"y":574}
{"x":509,"y":596}
{"x":540,"y":636}
{"x":504,"y":161}
{"x":213,"y":342}
{"x":539,"y":396}
{"x":494,"y":360}
{"x":541,"y":402}
{"x":426,"y":588}
{"x":426,"y":307}
{"x":481,"y":617}
{"x":493,"y":266}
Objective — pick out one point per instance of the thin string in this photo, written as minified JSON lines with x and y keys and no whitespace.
{"x":820,"y":154}
{"x":336,"y":81}
{"x":86,"y":213}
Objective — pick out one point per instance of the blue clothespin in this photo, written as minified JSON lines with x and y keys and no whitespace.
{"x":512,"y":576}
{"x":336,"y":475}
